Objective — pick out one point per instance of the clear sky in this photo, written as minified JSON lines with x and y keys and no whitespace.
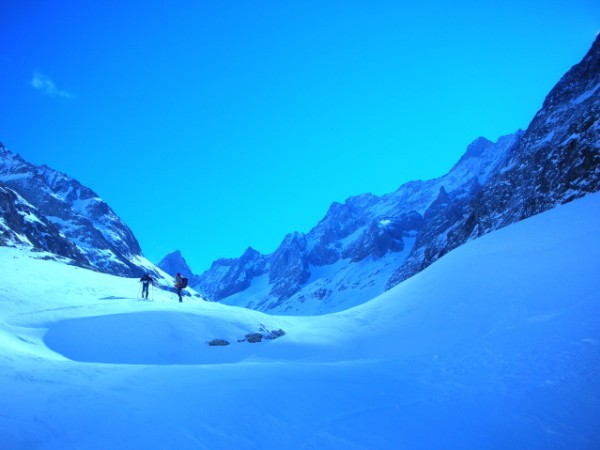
{"x":210,"y":126}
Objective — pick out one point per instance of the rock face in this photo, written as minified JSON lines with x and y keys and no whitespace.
{"x":22,"y":224}
{"x":369,"y":243}
{"x":289,"y":266}
{"x":175,"y":263}
{"x":229,"y":276}
{"x":98,"y":237}
{"x":350,"y":255}
{"x":557,"y":160}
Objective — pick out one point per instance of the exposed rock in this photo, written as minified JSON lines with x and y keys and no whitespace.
{"x":493,"y":185}
{"x":229,"y":276}
{"x":556,"y":161}
{"x":274,"y":334}
{"x":289,"y":266}
{"x":254,"y":338}
{"x":84,"y":218}
{"x":175,"y":263}
{"x":23,"y":225}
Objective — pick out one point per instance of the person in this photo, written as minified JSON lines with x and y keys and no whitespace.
{"x":146,"y":280}
{"x":179,"y":285}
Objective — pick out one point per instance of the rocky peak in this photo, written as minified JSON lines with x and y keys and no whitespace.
{"x":175,"y":263}
{"x":228,"y":276}
{"x":254,"y":262}
{"x":555,"y":161}
{"x":401,"y":233}
{"x":341,"y":221}
{"x":384,"y":235}
{"x":477,"y":148}
{"x":580,"y":83}
{"x":441,"y":202}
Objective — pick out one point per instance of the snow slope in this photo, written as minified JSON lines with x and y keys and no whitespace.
{"x":494,"y":346}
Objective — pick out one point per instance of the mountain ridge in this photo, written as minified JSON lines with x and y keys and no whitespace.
{"x":175,"y":263}
{"x":363,"y":228}
{"x":553,"y":161}
{"x":91,"y":231}
{"x":361,"y":247}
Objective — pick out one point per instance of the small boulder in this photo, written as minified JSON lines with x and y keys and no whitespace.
{"x":275,"y":334}
{"x":254,"y":337}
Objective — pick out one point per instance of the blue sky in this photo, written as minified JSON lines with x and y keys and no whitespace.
{"x":211,"y":126}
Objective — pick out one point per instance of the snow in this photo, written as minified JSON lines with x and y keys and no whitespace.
{"x":82,"y":206}
{"x":546,"y":139}
{"x":494,"y":346}
{"x":253,"y":295}
{"x":12,"y":238}
{"x":418,"y":195}
{"x":29,"y":217}
{"x":13,"y":176}
{"x":330,"y":288}
{"x":586,"y":95}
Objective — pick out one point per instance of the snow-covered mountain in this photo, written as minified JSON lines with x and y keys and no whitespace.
{"x":369,"y":244}
{"x":175,"y":263}
{"x":55,"y":213}
{"x":22,"y":225}
{"x":355,"y":249}
{"x":494,"y":346}
{"x":555,"y":161}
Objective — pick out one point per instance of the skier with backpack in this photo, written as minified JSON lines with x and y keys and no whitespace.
{"x":180,"y":283}
{"x":146,"y":280}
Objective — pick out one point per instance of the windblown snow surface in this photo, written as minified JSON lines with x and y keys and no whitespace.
{"x":495,"y":346}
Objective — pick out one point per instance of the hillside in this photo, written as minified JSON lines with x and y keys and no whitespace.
{"x":47,"y":210}
{"x":495,"y":345}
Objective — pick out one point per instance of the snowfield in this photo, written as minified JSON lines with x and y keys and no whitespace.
{"x":495,"y":346}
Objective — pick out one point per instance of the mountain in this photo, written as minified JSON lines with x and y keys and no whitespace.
{"x":556,"y":161}
{"x":369,"y":244}
{"x":55,"y":213}
{"x":175,"y":263}
{"x":22,"y":225}
{"x":355,"y":249}
{"x":494,"y":346}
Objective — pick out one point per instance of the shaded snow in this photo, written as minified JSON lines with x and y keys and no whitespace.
{"x":494,"y":346}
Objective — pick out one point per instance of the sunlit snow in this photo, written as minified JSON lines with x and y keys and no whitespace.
{"x":494,"y":346}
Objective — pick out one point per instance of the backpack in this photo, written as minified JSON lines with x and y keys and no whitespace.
{"x":184,"y":282}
